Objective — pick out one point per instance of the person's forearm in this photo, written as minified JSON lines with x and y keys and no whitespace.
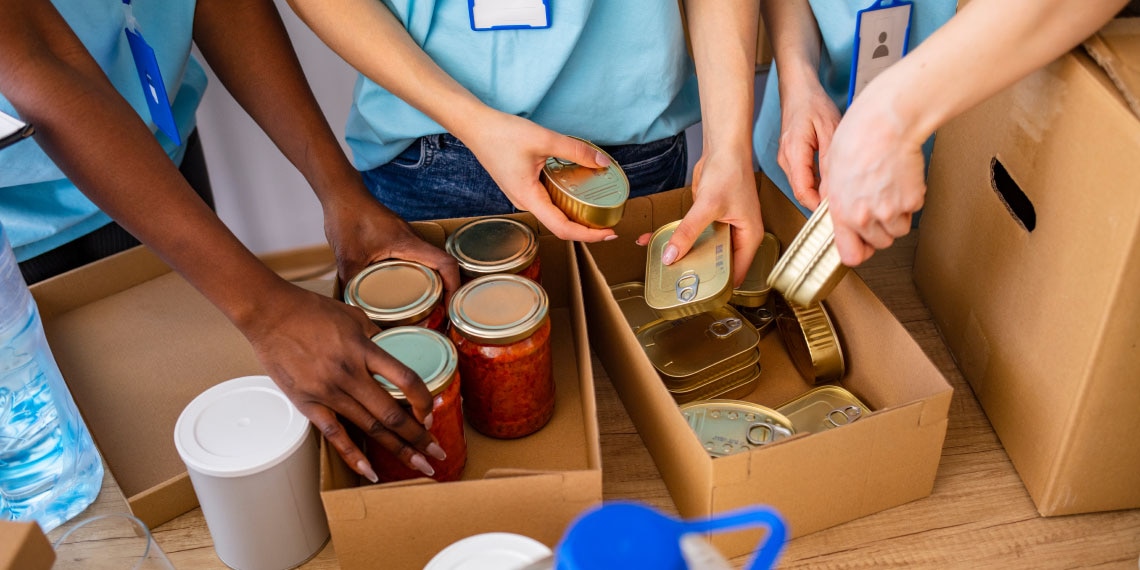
{"x":988,"y":46}
{"x":248,"y":48}
{"x":796,"y":42}
{"x":371,"y":39}
{"x":86,"y":127}
{"x":723,"y":34}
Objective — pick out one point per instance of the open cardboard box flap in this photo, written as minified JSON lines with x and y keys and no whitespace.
{"x":1116,"y":48}
{"x":815,"y":480}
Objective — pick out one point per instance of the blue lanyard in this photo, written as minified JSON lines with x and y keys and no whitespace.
{"x":150,"y":76}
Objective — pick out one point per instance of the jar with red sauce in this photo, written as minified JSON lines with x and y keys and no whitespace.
{"x":487,"y":246}
{"x":397,"y":293}
{"x":433,"y":357}
{"x":501,"y":329}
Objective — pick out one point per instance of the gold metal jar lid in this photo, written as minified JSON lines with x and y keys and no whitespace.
{"x":499,"y":309}
{"x":428,"y":353}
{"x":699,"y":282}
{"x":823,"y":408}
{"x":593,"y":197}
{"x":395,"y":292}
{"x":703,"y":344}
{"x":811,"y":340}
{"x":753,"y":292}
{"x":630,"y":298}
{"x":725,"y":427}
{"x":492,"y":245}
{"x":810,"y":268}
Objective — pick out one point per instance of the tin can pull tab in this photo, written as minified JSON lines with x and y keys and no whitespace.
{"x":762,"y":433}
{"x":686,"y":286}
{"x":843,"y":416}
{"x":725,"y":327}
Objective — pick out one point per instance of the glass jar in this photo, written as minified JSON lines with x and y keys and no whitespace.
{"x":398,"y":293}
{"x":432,"y":356}
{"x":501,"y":330}
{"x":487,"y":246}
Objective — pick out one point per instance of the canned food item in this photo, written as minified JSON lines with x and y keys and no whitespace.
{"x":501,"y":330}
{"x":823,"y":408}
{"x":761,"y":317}
{"x":399,"y":293}
{"x":433,"y":357}
{"x":702,"y":345}
{"x":810,"y":268}
{"x":630,"y":298}
{"x":730,"y":384}
{"x":811,"y":340}
{"x":699,"y":282}
{"x":753,"y":292}
{"x":593,"y":197}
{"x":486,"y":246}
{"x":725,"y":427}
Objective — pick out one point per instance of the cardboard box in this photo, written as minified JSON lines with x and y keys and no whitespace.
{"x":1029,"y":258}
{"x":23,"y":546}
{"x":815,"y":480}
{"x":136,"y":343}
{"x":533,"y":486}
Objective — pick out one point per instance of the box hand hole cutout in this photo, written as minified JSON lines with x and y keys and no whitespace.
{"x":1011,"y":195}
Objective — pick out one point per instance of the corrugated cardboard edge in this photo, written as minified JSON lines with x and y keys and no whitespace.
{"x":1109,"y":46}
{"x":23,"y":546}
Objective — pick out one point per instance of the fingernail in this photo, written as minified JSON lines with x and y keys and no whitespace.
{"x":428,"y":421}
{"x":670,"y":254}
{"x":610,"y":238}
{"x":366,"y":470}
{"x":422,"y":465}
{"x":436,"y":451}
{"x":602,"y":159}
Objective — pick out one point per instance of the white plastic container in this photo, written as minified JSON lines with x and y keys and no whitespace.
{"x":252,"y":459}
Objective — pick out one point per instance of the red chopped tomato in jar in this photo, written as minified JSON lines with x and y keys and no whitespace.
{"x":433,"y":357}
{"x":501,"y":331}
{"x":398,"y":293}
{"x":487,"y":246}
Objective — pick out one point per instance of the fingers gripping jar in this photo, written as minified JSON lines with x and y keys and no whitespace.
{"x":433,"y":357}
{"x":396,"y":293}
{"x":501,"y":330}
{"x":488,"y":246}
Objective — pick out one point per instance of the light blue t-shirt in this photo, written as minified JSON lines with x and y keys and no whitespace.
{"x":608,"y":71}
{"x":39,"y":207}
{"x":836,"y":19}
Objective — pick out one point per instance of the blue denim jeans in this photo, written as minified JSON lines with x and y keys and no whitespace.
{"x":438,"y":177}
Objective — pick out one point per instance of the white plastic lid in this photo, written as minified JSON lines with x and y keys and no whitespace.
{"x":239,"y":427}
{"x":490,"y":551}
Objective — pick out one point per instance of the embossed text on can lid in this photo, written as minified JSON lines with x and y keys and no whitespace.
{"x":706,"y":343}
{"x":810,"y":268}
{"x":725,"y":427}
{"x":499,"y":309}
{"x":630,"y":298}
{"x":428,"y":353}
{"x":753,"y":292}
{"x":823,"y":408}
{"x":492,"y":245}
{"x":395,"y":292}
{"x":593,"y":197}
{"x":699,"y":282}
{"x":812,"y":341}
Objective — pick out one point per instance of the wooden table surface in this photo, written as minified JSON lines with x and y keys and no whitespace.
{"x":979,"y":515}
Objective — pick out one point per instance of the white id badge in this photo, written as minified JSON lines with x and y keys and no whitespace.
{"x":882,"y":32}
{"x":13,"y":130}
{"x":488,"y":15}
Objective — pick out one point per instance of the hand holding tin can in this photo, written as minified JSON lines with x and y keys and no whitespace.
{"x":593,"y":197}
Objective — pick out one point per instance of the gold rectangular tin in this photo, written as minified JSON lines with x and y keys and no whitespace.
{"x":810,"y":268}
{"x":823,"y":408}
{"x":630,"y":298}
{"x":703,"y":344}
{"x":725,"y":427}
{"x":593,"y":197}
{"x":733,"y":384}
{"x":698,"y":282}
{"x":753,"y":292}
{"x":812,"y":341}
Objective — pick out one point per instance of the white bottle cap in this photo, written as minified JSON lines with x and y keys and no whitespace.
{"x":490,"y":551}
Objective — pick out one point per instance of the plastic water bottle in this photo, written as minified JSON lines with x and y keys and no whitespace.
{"x":49,"y":467}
